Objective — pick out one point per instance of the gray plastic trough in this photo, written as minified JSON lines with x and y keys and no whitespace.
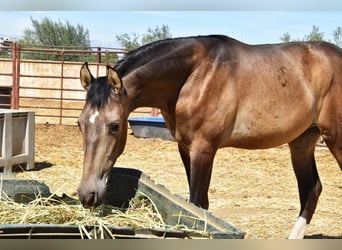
{"x":126,"y":184}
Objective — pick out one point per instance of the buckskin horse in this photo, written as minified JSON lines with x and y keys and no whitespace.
{"x":214,"y":92}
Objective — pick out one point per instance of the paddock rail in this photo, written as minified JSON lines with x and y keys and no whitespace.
{"x":49,"y":83}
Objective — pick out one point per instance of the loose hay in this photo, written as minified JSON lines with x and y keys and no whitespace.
{"x":140,"y":214}
{"x":55,"y":211}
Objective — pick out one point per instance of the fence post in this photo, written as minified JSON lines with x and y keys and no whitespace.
{"x":98,"y":55}
{"x":62,"y":89}
{"x":15,"y":76}
{"x":107,"y":57}
{"x":98,"y":61}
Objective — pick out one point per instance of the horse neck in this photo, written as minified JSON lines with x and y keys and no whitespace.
{"x":158,"y":82}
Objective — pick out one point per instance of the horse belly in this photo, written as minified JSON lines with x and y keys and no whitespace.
{"x":273,"y":110}
{"x":267,"y":133}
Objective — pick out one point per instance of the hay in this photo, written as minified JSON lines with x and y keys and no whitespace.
{"x":49,"y":210}
{"x":141,"y":214}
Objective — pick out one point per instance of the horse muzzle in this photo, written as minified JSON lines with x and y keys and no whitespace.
{"x":91,"y":195}
{"x":90,"y":199}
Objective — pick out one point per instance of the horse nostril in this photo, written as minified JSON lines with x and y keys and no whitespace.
{"x":91,"y":199}
{"x":88,"y":200}
{"x":91,"y":196}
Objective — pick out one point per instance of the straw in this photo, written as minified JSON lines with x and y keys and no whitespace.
{"x":141,"y":214}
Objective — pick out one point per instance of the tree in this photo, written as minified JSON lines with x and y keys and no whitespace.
{"x":133,"y":41}
{"x":338,"y":36}
{"x":157,"y":34}
{"x":4,"y":53}
{"x":285,"y":38}
{"x":127,"y":41}
{"x":315,"y":35}
{"x":57,"y":34}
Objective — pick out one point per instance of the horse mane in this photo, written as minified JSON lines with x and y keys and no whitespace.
{"x":99,"y":93}
{"x":144,"y":53}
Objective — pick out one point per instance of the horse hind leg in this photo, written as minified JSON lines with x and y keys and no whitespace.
{"x":334,"y":143}
{"x":309,"y":185}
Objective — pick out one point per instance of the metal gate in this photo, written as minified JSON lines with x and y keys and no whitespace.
{"x":48,"y":84}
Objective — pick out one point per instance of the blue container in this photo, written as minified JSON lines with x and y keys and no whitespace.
{"x":150,"y":127}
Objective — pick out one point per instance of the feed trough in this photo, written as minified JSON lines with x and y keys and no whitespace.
{"x":150,"y":127}
{"x":126,"y":184}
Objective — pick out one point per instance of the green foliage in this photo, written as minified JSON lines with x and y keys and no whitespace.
{"x":316,"y":35}
{"x":127,"y":41}
{"x":338,"y":36}
{"x":285,"y":38}
{"x":156,"y":34}
{"x":48,"y":32}
{"x":56,"y":35}
{"x":112,"y":58}
{"x":4,"y":53}
{"x":133,"y":41}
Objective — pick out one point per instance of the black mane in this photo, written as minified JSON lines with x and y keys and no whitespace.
{"x":98,"y":93}
{"x":144,"y":53}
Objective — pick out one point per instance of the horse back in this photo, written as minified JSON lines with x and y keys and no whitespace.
{"x":258,"y":96}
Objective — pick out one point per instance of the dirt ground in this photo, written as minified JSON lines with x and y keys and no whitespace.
{"x":256,"y":191}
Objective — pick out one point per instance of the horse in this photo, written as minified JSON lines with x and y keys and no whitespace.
{"x":215,"y":91}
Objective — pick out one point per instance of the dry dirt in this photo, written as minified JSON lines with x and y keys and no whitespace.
{"x":254,"y":190}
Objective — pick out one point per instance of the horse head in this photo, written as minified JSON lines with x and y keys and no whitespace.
{"x":103,"y":123}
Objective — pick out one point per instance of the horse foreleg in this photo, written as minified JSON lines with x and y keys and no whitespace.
{"x":309,"y":185}
{"x":201,"y":163}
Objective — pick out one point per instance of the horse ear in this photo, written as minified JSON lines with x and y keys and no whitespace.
{"x":86,"y":76}
{"x":114,"y":79}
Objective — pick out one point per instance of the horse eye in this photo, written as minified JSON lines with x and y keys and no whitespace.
{"x":113,"y":127}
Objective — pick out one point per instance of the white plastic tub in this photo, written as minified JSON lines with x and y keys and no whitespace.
{"x":16,"y":139}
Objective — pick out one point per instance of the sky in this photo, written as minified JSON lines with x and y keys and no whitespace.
{"x":170,"y":5}
{"x":250,"y":25}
